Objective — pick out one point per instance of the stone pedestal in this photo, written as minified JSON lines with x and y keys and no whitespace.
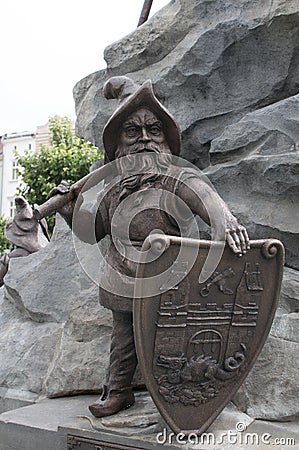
{"x":66,"y":424}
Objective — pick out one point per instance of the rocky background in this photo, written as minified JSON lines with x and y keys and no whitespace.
{"x":229,"y":73}
{"x":51,"y":318}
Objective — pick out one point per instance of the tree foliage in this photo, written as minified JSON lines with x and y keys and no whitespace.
{"x":68,"y":158}
{"x":4,"y":243}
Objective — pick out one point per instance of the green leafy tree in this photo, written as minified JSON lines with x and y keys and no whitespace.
{"x":68,"y":158}
{"x":4,"y":243}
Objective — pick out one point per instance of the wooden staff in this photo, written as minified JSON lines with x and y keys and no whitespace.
{"x":56,"y":202}
{"x":145,"y":12}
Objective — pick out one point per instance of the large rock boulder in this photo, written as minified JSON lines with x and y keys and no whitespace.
{"x":55,"y":335}
{"x":258,"y":156}
{"x":228,"y":71}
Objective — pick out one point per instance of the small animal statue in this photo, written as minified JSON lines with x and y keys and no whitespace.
{"x":26,"y":234}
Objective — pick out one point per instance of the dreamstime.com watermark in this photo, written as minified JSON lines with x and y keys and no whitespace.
{"x":239,"y":436}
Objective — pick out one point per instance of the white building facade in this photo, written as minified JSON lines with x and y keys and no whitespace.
{"x":12,"y":142}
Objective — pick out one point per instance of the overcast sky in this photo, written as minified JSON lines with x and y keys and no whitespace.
{"x":47,"y":46}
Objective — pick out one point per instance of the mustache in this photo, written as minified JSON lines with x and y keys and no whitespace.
{"x":137,"y":148}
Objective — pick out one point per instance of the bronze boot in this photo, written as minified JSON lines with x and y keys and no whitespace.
{"x":111,"y":402}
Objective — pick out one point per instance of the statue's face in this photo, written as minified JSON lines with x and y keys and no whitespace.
{"x":142,"y":132}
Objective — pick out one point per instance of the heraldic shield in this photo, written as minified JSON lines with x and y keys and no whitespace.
{"x":198,"y":334}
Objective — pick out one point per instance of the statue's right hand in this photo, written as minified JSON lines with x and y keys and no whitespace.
{"x":63,"y":188}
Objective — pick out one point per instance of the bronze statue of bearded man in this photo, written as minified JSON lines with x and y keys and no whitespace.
{"x":143,"y":137}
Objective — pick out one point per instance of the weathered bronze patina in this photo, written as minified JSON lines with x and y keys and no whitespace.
{"x":147,"y":193}
{"x":197,"y":340}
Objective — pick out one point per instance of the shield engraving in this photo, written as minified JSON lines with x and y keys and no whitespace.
{"x":197,"y":338}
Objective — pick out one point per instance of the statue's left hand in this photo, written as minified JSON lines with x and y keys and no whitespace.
{"x":236,"y":236}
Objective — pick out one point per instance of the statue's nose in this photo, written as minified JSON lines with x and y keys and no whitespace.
{"x":144,"y":135}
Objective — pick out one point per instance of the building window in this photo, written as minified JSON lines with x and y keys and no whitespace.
{"x":12,"y":208}
{"x":15,"y":171}
{"x":29,"y":146}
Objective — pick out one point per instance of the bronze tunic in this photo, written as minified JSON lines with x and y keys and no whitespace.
{"x":153,"y":206}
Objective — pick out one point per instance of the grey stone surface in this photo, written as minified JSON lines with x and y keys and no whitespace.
{"x":54,"y":336}
{"x":259,"y":155}
{"x":35,"y":427}
{"x":45,"y":426}
{"x":271,"y":390}
{"x":15,"y":398}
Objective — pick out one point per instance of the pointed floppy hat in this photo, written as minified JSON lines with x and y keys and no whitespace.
{"x":133,"y":97}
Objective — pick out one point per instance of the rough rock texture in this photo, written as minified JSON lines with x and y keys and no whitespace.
{"x":258,"y":156}
{"x":54,"y":336}
{"x":229,"y":71}
{"x":271,"y":389}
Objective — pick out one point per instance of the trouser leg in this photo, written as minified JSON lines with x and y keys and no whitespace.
{"x":123,"y":359}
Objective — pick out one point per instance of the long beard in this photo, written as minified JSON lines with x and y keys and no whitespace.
{"x":141,"y":166}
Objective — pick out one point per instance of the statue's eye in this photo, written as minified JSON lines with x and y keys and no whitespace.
{"x":155,"y":129}
{"x":132,"y":131}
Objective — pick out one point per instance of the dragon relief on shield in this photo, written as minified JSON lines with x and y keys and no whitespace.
{"x":195,"y":380}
